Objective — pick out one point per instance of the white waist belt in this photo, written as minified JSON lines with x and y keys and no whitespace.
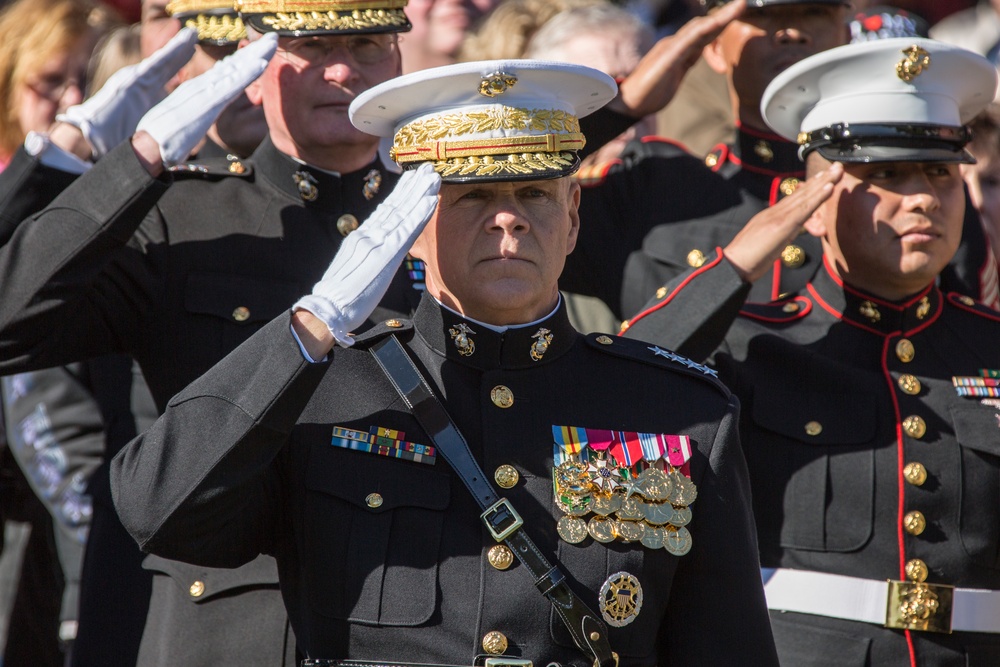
{"x":868,"y":600}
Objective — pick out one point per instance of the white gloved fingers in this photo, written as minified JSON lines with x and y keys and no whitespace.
{"x":110,"y":116}
{"x":369,"y":257}
{"x":181,"y":120}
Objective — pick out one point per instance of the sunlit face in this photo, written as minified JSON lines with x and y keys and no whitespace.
{"x":157,"y":27}
{"x":58,"y":85}
{"x":764,"y":42}
{"x":891,"y":227}
{"x":983,"y":180}
{"x":310,"y":83}
{"x":494,"y":251}
{"x":440,"y":26}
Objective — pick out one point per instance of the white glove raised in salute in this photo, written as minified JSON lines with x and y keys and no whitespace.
{"x":111,"y":115}
{"x":181,"y":120}
{"x":368,"y":258}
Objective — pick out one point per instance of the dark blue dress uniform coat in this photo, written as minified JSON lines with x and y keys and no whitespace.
{"x":840,"y":392}
{"x":241,"y":463}
{"x":177,"y":277}
{"x":651,"y":223}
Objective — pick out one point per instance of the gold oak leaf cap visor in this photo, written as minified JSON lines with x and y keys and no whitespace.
{"x":498,"y":120}
{"x":298,"y":18}
{"x":215,"y":20}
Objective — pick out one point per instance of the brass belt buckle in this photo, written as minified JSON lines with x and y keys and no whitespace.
{"x":919,"y":606}
{"x":501,"y":661}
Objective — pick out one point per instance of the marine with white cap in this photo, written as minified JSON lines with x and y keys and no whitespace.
{"x":872,"y":426}
{"x":363,"y":472}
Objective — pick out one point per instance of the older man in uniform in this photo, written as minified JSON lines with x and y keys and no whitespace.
{"x":372,"y":497}
{"x":178,"y":276}
{"x":871,"y":421}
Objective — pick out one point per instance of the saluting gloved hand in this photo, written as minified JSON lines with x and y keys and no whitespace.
{"x":110,"y":116}
{"x":368,"y":258}
{"x":181,"y":120}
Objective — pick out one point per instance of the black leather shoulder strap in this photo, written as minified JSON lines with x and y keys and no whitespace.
{"x":588,"y":631}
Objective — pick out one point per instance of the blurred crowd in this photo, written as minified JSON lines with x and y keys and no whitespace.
{"x":60,"y":596}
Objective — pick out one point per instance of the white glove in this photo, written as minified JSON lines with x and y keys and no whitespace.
{"x":180,"y":121}
{"x":368,"y":258}
{"x":110,"y":116}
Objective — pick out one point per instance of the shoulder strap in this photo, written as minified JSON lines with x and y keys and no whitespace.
{"x":588,"y":631}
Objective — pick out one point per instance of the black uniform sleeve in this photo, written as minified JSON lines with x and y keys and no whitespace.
{"x":214,"y":499}
{"x":601,"y":127}
{"x":61,"y":297}
{"x":722,"y":568}
{"x":694,"y":311}
{"x":27,"y":186}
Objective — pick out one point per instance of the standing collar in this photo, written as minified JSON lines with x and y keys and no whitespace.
{"x":870,"y":312}
{"x":765,"y":153}
{"x":442,"y":329}
{"x":329,"y":190}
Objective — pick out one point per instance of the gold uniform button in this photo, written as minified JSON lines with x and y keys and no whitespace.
{"x":905,"y":351}
{"x":711,"y":160}
{"x":967,"y":300}
{"x":793,"y":256}
{"x":236,"y":167}
{"x":494,"y":642}
{"x":506,"y":476}
{"x":241,"y":314}
{"x":791,"y":307}
{"x":604,"y":340}
{"x":915,"y":426}
{"x":500,"y":557}
{"x":346,"y":224}
{"x":395,"y":324}
{"x":916,"y":570}
{"x":374,"y":500}
{"x":660,"y":293}
{"x":501,"y":396}
{"x":197,"y":589}
{"x":914,"y":523}
{"x":696,"y":258}
{"x":814,"y":428}
{"x":909,"y":384}
{"x":915,"y":473}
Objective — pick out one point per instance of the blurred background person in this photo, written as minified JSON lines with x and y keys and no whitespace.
{"x":439,"y":28}
{"x":45,"y":46}
{"x":504,"y":33}
{"x":983,"y":178}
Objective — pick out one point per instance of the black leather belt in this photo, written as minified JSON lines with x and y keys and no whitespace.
{"x":588,"y":631}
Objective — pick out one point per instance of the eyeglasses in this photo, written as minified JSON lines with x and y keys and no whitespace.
{"x":54,"y":86}
{"x":316,"y":51}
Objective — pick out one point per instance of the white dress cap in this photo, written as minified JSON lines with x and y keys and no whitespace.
{"x":885,"y":100}
{"x":489,"y":120}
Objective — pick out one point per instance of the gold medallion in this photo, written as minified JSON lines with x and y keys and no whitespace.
{"x":681,"y":517}
{"x":500,"y":556}
{"x":658,"y":513}
{"x":905,"y":350}
{"x":621,"y":599}
{"x":677,"y":540}
{"x":652,"y":484}
{"x":606,"y":503}
{"x":502,"y":396}
{"x":306,"y":184}
{"x":496,"y":84}
{"x":543,"y":338}
{"x":572,"y":529}
{"x":923,"y":308}
{"x":684,"y":491}
{"x":913,"y":65}
{"x":630,"y":531}
{"x":601,"y":529}
{"x":571,"y":477}
{"x":653,"y":537}
{"x":463,"y":343}
{"x":574,"y":505}
{"x":631,"y":509}
{"x":870,"y":310}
